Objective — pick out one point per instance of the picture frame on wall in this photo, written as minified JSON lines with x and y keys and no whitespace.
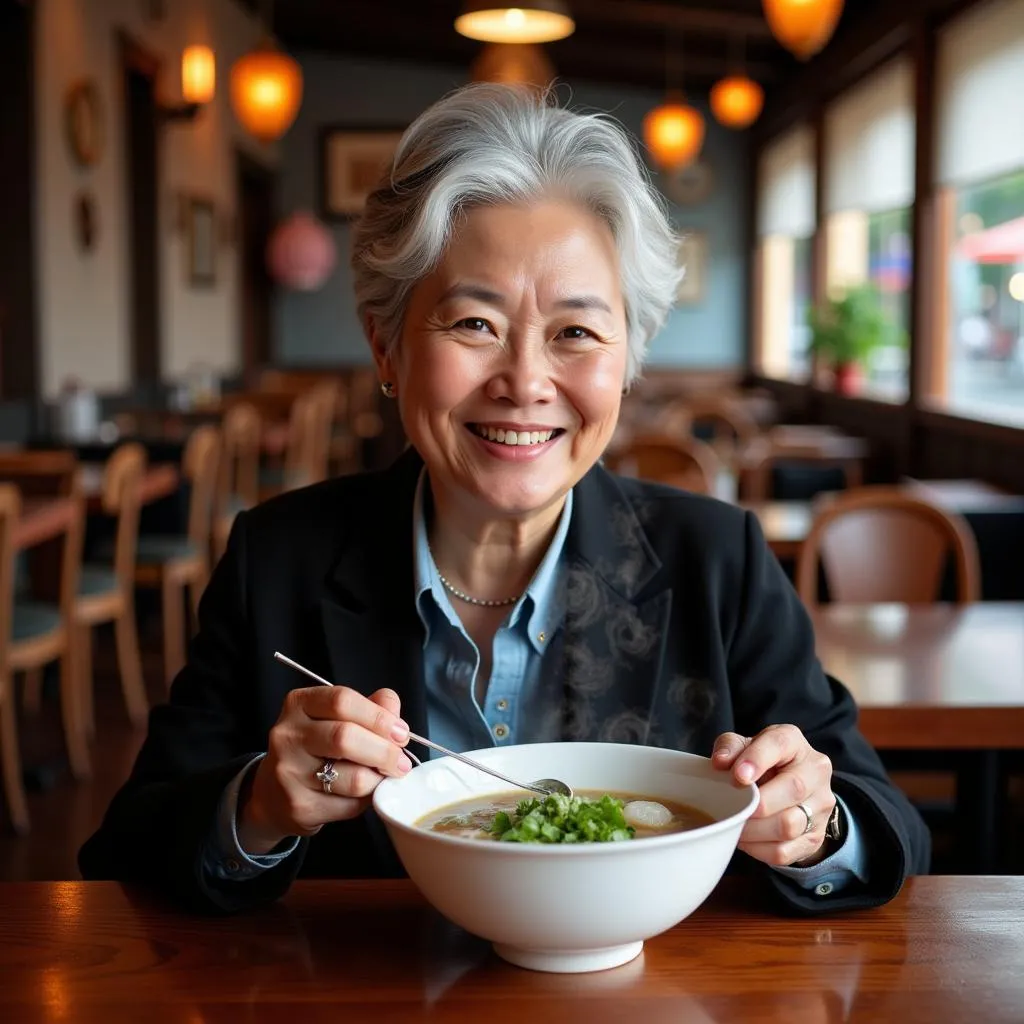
{"x":201,"y":238}
{"x":352,"y":160}
{"x":693,"y":257}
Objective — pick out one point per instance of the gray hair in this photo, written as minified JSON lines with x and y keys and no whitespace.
{"x":487,"y":144}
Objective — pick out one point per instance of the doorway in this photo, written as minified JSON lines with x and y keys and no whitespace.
{"x":18,"y":355}
{"x":138,"y":76}
{"x":255,"y":222}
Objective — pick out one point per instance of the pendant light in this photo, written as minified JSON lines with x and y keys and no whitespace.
{"x":674,"y":131}
{"x":266,"y":88}
{"x":513,"y":63}
{"x":737,"y":100}
{"x":803,"y":26}
{"x":530,"y":21}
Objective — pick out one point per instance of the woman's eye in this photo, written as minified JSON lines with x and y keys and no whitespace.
{"x":474,"y":323}
{"x":575,"y":333}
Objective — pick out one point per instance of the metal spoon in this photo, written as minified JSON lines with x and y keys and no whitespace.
{"x":544,"y":787}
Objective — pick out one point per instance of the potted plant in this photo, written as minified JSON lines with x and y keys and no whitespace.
{"x":846,"y":330}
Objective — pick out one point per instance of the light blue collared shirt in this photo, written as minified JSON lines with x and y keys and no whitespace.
{"x":516,"y":707}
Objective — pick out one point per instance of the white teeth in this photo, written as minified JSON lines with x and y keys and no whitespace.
{"x":514,"y":437}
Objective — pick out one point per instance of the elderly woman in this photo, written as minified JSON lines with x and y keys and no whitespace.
{"x":496,"y":585}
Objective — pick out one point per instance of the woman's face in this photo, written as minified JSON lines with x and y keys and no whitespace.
{"x":510,"y":368}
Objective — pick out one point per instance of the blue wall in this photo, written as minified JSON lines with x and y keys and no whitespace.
{"x":321,"y":327}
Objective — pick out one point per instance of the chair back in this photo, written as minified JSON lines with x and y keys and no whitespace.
{"x":729,"y":424}
{"x":241,"y":431}
{"x":680,"y":462}
{"x":10,"y":514}
{"x":121,"y":496}
{"x":881,"y":544}
{"x":200,"y":466}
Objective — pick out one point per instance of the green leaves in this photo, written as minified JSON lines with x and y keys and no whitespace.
{"x":849,"y":328}
{"x":563,"y":819}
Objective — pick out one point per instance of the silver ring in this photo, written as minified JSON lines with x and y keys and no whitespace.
{"x":809,"y":827}
{"x":328,"y":775}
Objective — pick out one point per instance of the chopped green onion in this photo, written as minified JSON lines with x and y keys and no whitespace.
{"x":563,"y":819}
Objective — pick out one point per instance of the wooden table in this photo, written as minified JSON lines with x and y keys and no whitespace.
{"x":785,"y":524}
{"x":931,"y":677}
{"x":945,"y":683}
{"x":945,"y":950}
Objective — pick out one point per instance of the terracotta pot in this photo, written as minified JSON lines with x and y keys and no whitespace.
{"x":846,"y":378}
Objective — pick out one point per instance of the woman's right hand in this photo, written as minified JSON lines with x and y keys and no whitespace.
{"x":363,"y":736}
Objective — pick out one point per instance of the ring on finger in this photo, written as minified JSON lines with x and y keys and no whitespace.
{"x":327,"y":776}
{"x":809,"y":827}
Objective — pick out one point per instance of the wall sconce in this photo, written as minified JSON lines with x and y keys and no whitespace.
{"x":198,"y":84}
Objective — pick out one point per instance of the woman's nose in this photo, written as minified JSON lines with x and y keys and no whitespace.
{"x":523,"y":376}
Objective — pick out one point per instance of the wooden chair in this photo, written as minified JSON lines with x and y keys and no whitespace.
{"x":758,"y":459}
{"x":172,"y":563}
{"x":309,"y":437}
{"x":239,"y":481}
{"x":106,"y":592}
{"x":680,"y":462}
{"x":728,"y":423}
{"x":42,"y":632}
{"x":10,"y":759}
{"x":881,"y":544}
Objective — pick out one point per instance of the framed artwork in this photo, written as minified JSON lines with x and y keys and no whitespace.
{"x":693,"y":257}
{"x":201,"y":238}
{"x":352,"y":160}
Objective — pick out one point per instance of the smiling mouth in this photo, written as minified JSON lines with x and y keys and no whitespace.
{"x":514,"y":438}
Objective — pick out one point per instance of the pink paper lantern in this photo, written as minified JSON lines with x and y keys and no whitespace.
{"x":301,"y":253}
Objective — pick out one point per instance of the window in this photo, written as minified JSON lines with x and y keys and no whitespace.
{"x":978,"y":330}
{"x":869,"y":190}
{"x":785,"y":244}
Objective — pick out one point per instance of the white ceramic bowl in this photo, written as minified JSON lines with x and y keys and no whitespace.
{"x":567,"y":908}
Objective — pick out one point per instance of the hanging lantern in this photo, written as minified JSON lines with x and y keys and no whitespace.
{"x":513,"y":63}
{"x":266,"y":90}
{"x":301,"y":253}
{"x":198,"y":74}
{"x":803,"y":26}
{"x":529,"y":21}
{"x":674,"y":134}
{"x":736,"y":101}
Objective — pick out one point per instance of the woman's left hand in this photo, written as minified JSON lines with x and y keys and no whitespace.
{"x":789,"y":773}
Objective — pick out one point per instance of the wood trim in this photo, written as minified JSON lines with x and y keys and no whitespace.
{"x":142,"y":212}
{"x":19,"y":300}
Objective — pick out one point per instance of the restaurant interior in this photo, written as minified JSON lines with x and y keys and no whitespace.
{"x":179,"y":340}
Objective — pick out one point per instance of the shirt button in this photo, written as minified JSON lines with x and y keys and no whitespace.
{"x":823,"y":889}
{"x":501,"y":731}
{"x":502,"y":705}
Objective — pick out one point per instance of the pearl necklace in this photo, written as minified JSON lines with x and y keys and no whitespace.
{"x":463,"y":596}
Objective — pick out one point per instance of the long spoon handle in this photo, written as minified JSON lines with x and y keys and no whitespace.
{"x":420,"y":739}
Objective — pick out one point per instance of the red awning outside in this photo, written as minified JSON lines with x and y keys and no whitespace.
{"x":1002,"y":243}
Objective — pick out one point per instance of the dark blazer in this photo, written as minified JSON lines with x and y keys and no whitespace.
{"x":679,"y":625}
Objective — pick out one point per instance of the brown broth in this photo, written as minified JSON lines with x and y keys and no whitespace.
{"x":471,"y":818}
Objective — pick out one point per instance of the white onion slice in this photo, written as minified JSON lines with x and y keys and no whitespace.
{"x":646,"y":814}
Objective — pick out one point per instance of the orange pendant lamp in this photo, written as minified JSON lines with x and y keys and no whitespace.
{"x":513,"y":63}
{"x":803,"y":26}
{"x":673,"y":133}
{"x":736,"y":101}
{"x":266,"y":91}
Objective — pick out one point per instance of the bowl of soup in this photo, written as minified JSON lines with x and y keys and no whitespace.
{"x":567,"y":888}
